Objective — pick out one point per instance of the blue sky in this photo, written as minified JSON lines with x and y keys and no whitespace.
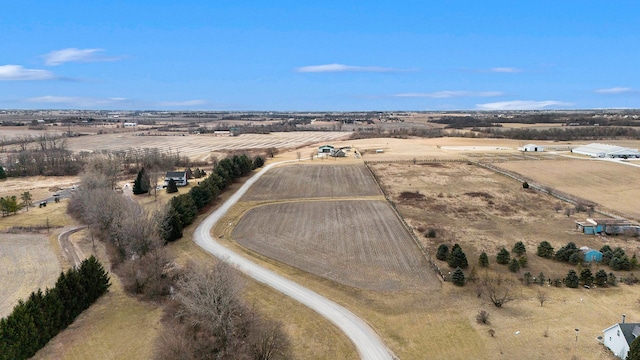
{"x":319,"y":56}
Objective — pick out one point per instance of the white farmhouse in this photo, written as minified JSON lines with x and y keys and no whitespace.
{"x":618,"y":338}
{"x":180,"y":177}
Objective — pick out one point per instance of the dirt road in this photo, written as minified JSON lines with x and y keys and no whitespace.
{"x":368,"y":343}
{"x":67,"y":246}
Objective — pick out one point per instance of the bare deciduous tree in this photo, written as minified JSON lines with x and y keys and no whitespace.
{"x":499,"y":289}
{"x":542,"y":296}
{"x":211,"y":321}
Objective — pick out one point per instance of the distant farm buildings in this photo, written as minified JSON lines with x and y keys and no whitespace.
{"x":130,"y":124}
{"x":608,"y":151}
{"x":328,"y":150}
{"x":531,"y":148}
{"x":607,"y":226}
{"x":325,"y":149}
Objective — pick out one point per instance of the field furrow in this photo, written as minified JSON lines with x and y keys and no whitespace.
{"x":356,"y":243}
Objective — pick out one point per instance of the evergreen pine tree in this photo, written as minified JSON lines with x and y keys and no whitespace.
{"x":172,"y":187}
{"x":586,"y":277}
{"x":503,"y":257}
{"x":545,"y":250}
{"x":541,"y":278}
{"x":483,"y":260}
{"x":457,"y":258}
{"x":142,"y":183}
{"x":601,"y":277}
{"x":572,"y":280}
{"x":443,"y":252}
{"x":458,"y":277}
{"x":514,"y":265}
{"x":634,"y":350}
{"x":3,"y":174}
{"x":519,"y":249}
{"x":524,"y":261}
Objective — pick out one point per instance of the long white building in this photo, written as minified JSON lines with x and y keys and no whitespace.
{"x":604,"y":150}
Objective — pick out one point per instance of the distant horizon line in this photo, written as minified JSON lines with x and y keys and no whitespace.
{"x":333,"y":111}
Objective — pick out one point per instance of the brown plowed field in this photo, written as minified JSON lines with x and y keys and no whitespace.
{"x":27,"y":263}
{"x":309,"y":181}
{"x":355,"y":243}
{"x":201,"y":146}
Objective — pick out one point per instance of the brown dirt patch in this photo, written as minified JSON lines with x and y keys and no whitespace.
{"x":355,"y":243}
{"x":313,"y":180}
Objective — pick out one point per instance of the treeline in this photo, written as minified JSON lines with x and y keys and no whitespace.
{"x":566,"y":133}
{"x":47,"y":155}
{"x":460,"y":122}
{"x":400,"y":133}
{"x":35,"y":321}
{"x":184,"y":208}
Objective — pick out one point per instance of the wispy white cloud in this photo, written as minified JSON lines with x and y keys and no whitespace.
{"x":19,"y":73}
{"x":59,"y":57}
{"x":450,"y":94}
{"x":615,"y":90}
{"x":499,"y":69}
{"x":522,"y":105}
{"x":509,"y":70}
{"x":182,"y":103}
{"x":73,"y":101}
{"x":329,"y":68}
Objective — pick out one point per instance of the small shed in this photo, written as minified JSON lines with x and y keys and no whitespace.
{"x":586,"y":227}
{"x":590,"y":255}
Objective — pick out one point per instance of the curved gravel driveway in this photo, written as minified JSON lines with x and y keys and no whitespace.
{"x":368,"y":343}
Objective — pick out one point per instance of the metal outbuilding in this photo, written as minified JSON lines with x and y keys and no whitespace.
{"x":604,"y":150}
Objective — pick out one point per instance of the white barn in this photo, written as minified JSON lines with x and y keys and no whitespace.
{"x":531,"y":148}
{"x":618,"y":338}
{"x":604,"y":150}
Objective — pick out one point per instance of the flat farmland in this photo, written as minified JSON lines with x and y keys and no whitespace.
{"x":606,"y":183}
{"x":484,"y":211}
{"x":200,"y":147}
{"x":27,"y":263}
{"x":481,"y":210}
{"x":309,"y":181}
{"x":355,"y":243}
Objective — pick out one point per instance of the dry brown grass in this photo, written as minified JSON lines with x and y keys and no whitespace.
{"x":53,"y":215}
{"x":28,"y":262}
{"x":603,"y":182}
{"x":117,"y":326}
{"x":40,"y":187}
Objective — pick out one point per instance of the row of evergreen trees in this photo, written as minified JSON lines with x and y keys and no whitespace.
{"x":35,"y":321}
{"x":184,"y":208}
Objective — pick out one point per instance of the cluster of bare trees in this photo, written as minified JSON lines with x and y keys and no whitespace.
{"x":209,"y":320}
{"x":206,"y":318}
{"x":41,"y":155}
{"x":132,"y":235}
